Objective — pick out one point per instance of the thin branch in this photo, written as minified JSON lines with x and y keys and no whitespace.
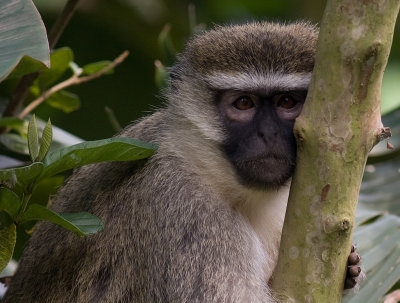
{"x":35,"y":103}
{"x":19,"y":95}
{"x":73,"y":80}
{"x":105,"y":69}
{"x":383,"y":133}
{"x":61,"y":22}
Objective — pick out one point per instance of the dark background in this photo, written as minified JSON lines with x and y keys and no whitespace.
{"x":102,"y":29}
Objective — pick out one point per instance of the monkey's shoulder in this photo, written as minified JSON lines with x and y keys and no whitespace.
{"x":147,"y":128}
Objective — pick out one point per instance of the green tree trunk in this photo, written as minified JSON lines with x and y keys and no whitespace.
{"x":339,"y":125}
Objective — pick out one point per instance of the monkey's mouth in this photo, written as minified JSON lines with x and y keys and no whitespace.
{"x":268,"y":171}
{"x":268,"y":161}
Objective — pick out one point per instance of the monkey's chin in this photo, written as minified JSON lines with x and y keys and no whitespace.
{"x":265,"y":173}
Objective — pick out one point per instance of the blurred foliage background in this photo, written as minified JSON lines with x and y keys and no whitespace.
{"x":102,"y":29}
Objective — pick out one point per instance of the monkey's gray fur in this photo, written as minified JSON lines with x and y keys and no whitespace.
{"x":181,"y":226}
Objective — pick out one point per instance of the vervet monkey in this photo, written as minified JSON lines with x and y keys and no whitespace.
{"x":201,"y":220}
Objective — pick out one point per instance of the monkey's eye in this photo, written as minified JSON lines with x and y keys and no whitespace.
{"x":288,"y":106}
{"x":286,"y":101}
{"x":238,"y":106}
{"x":243,"y":103}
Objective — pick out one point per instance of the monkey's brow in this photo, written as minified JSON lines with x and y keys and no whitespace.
{"x":259,"y":82}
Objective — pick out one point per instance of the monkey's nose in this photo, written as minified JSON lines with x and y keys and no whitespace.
{"x":267,"y":134}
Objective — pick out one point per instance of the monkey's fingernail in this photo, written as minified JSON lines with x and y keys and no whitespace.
{"x":354,"y":271}
{"x":352,"y":248}
{"x":354,"y":258}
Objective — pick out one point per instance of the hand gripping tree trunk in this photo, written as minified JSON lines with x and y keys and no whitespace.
{"x":339,"y":125}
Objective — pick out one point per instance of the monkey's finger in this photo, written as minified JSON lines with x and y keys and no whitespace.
{"x":354,"y":259}
{"x":349,"y":283}
{"x":353,"y":271}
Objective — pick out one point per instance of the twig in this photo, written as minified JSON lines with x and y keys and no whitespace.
{"x":105,"y":69}
{"x":61,"y":22}
{"x":73,"y":80}
{"x":383,"y":133}
{"x":19,"y":95}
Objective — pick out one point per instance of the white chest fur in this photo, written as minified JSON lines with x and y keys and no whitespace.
{"x":265,"y":211}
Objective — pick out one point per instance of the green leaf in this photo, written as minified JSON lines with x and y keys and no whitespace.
{"x":11,"y":122}
{"x":380,"y":188}
{"x":27,"y":65}
{"x":60,"y":60}
{"x":9,"y":201}
{"x":35,"y":90}
{"x":46,"y":188}
{"x":14,"y":123}
{"x":112,"y":149}
{"x":15,"y":143}
{"x":21,"y":175}
{"x":5,"y":219}
{"x":47,"y":137}
{"x":66,"y":101}
{"x":93,"y":68}
{"x":61,"y":138}
{"x":8,"y":236}
{"x":33,"y":140}
{"x":87,"y":223}
{"x":82,"y":224}
{"x":363,"y":215}
{"x":22,"y":33}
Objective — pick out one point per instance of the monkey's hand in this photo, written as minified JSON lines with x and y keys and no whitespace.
{"x":354,"y":273}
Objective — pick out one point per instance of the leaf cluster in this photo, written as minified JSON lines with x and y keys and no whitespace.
{"x":18,"y":184}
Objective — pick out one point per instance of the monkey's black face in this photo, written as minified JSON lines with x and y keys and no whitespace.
{"x":261,"y":144}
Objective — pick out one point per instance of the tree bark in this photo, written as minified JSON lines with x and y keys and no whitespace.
{"x":339,"y":125}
